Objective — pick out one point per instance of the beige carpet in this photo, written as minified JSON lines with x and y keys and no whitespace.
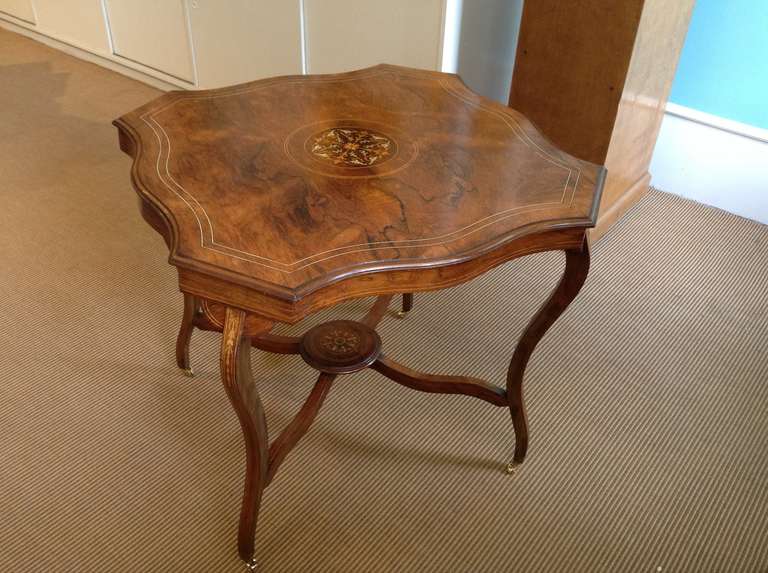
{"x":648,"y":400}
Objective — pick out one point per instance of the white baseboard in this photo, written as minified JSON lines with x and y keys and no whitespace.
{"x":128,"y":68}
{"x":728,"y":125}
{"x":713,"y":161}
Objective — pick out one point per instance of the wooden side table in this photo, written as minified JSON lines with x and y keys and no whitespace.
{"x":281,"y":197}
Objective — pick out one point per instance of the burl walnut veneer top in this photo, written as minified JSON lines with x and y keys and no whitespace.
{"x":286,"y":185}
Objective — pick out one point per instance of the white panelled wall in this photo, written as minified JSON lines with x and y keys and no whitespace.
{"x":343,"y":35}
{"x":212,"y":43}
{"x":155,"y":34}
{"x":21,"y":9}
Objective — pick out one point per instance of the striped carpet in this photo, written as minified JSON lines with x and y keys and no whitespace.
{"x":648,"y":400}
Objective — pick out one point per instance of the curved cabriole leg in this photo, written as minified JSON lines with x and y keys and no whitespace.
{"x":191,"y":308}
{"x":241,"y":390}
{"x":576,"y":269}
{"x":407,"y":305}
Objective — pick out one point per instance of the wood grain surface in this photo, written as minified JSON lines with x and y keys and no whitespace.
{"x":288,"y":185}
{"x":595,"y":77}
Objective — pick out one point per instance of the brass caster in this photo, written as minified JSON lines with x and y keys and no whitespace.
{"x":511,"y":468}
{"x":401,"y":313}
{"x":252,"y":565}
{"x":188,"y":372}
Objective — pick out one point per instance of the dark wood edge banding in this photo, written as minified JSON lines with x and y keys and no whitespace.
{"x":393,"y":282}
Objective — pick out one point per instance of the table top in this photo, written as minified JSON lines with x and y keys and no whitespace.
{"x":291,"y":184}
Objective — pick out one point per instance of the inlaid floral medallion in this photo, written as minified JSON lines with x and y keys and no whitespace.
{"x":352,"y":147}
{"x":340,"y":341}
{"x":340,"y":346}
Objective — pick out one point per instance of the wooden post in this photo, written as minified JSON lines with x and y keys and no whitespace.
{"x":595,"y":77}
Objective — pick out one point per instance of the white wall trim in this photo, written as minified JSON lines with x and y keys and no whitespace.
{"x":303,"y":37}
{"x":191,"y":39}
{"x":108,"y":26}
{"x":717,"y":122}
{"x":35,"y":17}
{"x":451,"y":36}
{"x":128,"y":68}
{"x":712,"y":165}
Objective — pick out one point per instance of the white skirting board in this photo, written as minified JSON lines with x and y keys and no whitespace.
{"x":131,"y":69}
{"x":714,"y":161}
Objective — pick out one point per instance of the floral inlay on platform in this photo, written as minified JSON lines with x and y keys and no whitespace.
{"x":352,"y":147}
{"x":340,"y":341}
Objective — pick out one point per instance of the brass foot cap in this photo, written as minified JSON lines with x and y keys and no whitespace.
{"x":188,"y":372}
{"x":401,"y":313}
{"x":252,"y":565}
{"x":511,"y":468}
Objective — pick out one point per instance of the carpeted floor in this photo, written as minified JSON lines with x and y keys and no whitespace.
{"x":648,"y":400}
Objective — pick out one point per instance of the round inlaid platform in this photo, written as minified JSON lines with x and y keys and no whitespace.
{"x":340,"y":346}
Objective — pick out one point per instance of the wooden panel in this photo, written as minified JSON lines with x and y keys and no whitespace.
{"x":77,"y":22}
{"x":21,"y":9}
{"x":594,"y":76}
{"x":152,"y":33}
{"x":572,"y":60}
{"x":345,"y":35}
{"x":251,"y":39}
{"x":654,"y":61}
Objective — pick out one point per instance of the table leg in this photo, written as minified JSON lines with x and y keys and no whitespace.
{"x":576,"y":269}
{"x":301,"y":422}
{"x":191,"y":308}
{"x":241,"y":390}
{"x":407,"y":305}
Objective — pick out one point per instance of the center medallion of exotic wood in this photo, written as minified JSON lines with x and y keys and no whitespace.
{"x":340,"y":346}
{"x":340,"y":342}
{"x":352,"y":147}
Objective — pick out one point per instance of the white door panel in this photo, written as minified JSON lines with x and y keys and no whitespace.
{"x":154,"y":33}
{"x":21,"y":9}
{"x":249,"y":40}
{"x":77,"y":22}
{"x":348,"y":34}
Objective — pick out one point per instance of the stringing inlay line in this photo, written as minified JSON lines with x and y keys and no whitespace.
{"x":516,"y":128}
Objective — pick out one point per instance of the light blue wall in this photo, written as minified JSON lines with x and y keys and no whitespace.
{"x":723,"y":69}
